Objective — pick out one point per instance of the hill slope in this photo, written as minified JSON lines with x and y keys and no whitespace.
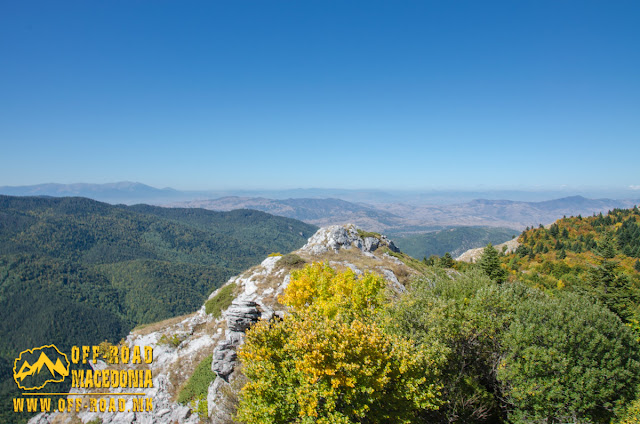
{"x":452,"y":240}
{"x":255,"y":294}
{"x":75,"y":271}
{"x":408,"y":218}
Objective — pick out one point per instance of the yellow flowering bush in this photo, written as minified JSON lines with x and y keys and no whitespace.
{"x":330,"y":360}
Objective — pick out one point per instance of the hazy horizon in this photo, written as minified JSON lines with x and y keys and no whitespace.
{"x":365,"y":195}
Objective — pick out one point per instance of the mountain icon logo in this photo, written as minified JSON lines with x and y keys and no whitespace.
{"x":36,"y":367}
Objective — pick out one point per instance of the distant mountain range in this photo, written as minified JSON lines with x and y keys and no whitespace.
{"x":400,"y":218}
{"x":134,"y":192}
{"x":320,"y":212}
{"x":122,"y":192}
{"x":394,"y":212}
{"x":504,"y":213}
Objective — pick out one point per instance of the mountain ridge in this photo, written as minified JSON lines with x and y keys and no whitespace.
{"x":399,"y":217}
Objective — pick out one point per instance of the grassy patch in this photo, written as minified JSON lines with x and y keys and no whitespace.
{"x":365,"y":234}
{"x":291,"y":260}
{"x":419,"y":266}
{"x":198,"y":384}
{"x":220,"y":301}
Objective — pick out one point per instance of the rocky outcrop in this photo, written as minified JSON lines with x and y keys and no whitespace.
{"x":338,"y":237}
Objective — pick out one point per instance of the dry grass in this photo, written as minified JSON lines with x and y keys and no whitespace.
{"x":144,"y":329}
{"x":208,"y":327}
{"x":404,"y":271}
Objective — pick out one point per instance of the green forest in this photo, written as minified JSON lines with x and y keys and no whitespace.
{"x":74,"y":271}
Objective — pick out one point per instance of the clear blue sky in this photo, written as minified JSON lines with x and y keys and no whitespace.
{"x":345,"y":94}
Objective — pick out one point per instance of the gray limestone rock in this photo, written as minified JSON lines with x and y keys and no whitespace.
{"x":392,"y":279}
{"x":241,"y":315}
{"x":346,"y":236}
{"x":370,"y":244}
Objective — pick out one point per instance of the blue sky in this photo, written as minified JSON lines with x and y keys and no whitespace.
{"x":343,"y":94}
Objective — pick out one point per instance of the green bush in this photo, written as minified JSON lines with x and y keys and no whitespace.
{"x":567,"y":358}
{"x":291,"y":260}
{"x":174,"y":340}
{"x":198,"y":384}
{"x":364,"y":234}
{"x":519,"y":355}
{"x":200,"y":406}
{"x":220,"y":301}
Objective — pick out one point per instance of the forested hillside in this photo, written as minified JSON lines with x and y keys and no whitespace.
{"x":74,"y":271}
{"x":598,"y":256}
{"x":452,"y":240}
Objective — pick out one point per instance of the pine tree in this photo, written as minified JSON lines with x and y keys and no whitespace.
{"x":447,"y":261}
{"x":562,"y":254}
{"x":636,"y":266}
{"x":607,"y":248}
{"x":490,"y":263}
